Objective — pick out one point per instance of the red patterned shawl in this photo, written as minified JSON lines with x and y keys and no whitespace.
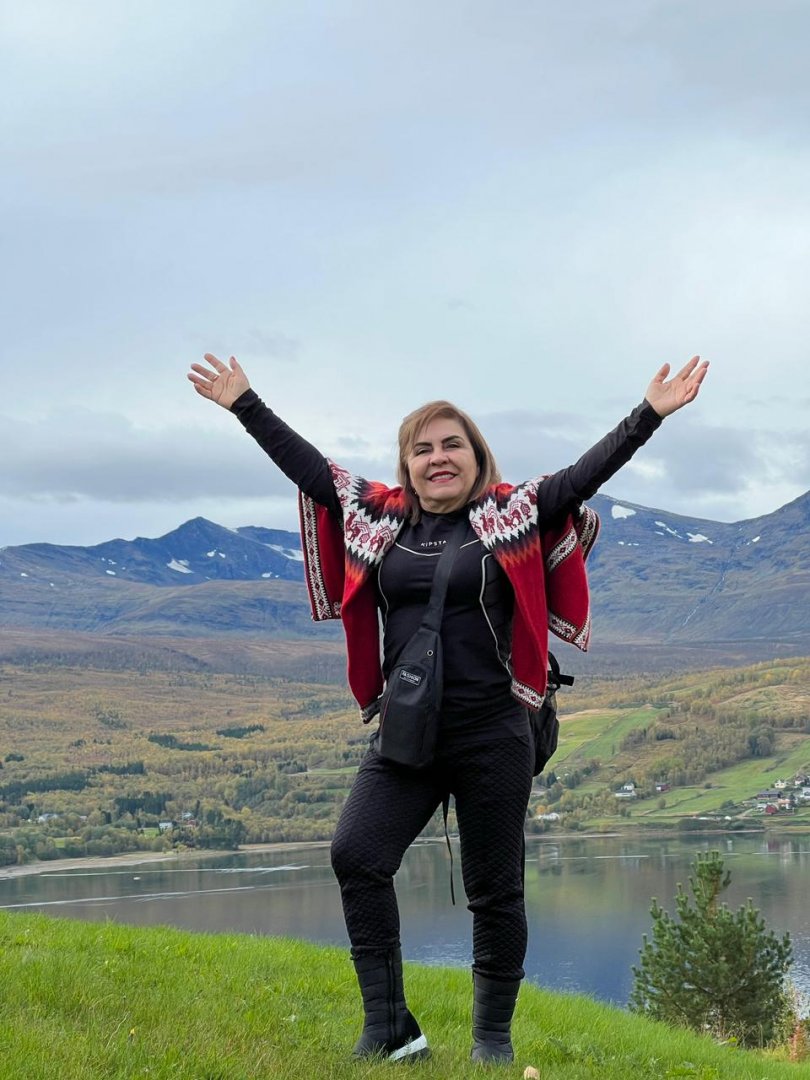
{"x":546,"y":569}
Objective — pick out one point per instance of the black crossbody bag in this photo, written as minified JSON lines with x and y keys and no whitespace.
{"x":411,"y":703}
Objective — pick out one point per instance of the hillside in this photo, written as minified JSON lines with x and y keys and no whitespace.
{"x":696,"y":748}
{"x":93,"y":760}
{"x":107,"y":1002}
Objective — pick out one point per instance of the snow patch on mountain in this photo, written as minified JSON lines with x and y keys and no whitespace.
{"x":289,"y":553}
{"x":672,"y":532}
{"x":618,"y":512}
{"x":181,"y":566}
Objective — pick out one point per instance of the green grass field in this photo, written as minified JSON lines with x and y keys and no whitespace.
{"x":734,"y":784}
{"x":597,"y":733}
{"x":96,"y":1001}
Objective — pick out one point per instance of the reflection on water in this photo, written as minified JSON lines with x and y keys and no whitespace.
{"x":587,"y":900}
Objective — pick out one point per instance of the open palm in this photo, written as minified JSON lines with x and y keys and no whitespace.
{"x":668,"y":395}
{"x":219,"y":382}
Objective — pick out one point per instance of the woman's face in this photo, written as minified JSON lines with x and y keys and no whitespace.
{"x":442,"y":466}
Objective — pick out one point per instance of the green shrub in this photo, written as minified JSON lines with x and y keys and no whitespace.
{"x":711,"y":969}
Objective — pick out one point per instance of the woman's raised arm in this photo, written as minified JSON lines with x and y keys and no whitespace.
{"x":565,"y":489}
{"x":299,"y":460}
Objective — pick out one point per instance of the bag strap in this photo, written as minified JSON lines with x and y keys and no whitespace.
{"x":432,"y":619}
{"x":555,"y":676}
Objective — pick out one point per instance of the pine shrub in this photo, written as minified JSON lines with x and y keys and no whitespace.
{"x":711,"y":969}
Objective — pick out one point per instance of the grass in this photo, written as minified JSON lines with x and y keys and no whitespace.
{"x":598,"y":733}
{"x":83,"y":1001}
{"x":735,"y":784}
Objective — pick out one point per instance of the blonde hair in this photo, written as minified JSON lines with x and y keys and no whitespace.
{"x":412,"y":427}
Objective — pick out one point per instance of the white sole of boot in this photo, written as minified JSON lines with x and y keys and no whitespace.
{"x":416,"y":1046}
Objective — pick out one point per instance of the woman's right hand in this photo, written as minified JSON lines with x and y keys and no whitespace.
{"x":222,"y":385}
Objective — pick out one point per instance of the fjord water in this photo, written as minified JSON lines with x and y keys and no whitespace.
{"x":587,"y":899}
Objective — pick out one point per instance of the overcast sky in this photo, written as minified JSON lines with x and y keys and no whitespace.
{"x":525,"y":207}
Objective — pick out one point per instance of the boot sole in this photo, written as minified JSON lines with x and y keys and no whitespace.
{"x":492,"y":1054}
{"x":416,"y":1049}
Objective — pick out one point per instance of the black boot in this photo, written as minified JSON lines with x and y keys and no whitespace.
{"x":493,"y":1006}
{"x":389,"y":1029}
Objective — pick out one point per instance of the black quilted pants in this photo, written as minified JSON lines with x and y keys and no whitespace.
{"x":389,"y":806}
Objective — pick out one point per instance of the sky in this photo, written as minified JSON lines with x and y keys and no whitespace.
{"x":524,"y":207}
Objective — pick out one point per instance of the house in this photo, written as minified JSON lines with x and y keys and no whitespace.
{"x":780,"y":785}
{"x":627,"y":791}
{"x":164,"y":826}
{"x":662,"y":787}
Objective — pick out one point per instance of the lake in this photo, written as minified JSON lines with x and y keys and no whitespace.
{"x":587,"y":899}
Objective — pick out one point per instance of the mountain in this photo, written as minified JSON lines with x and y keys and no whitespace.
{"x":664,"y":577}
{"x":195,"y":552}
{"x":200,"y":579}
{"x":656,"y":578}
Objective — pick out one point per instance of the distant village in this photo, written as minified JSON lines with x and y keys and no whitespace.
{"x":783,"y":798}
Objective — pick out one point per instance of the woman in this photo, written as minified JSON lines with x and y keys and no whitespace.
{"x":372,"y":550}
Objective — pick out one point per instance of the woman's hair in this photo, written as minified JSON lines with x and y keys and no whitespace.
{"x":412,"y":427}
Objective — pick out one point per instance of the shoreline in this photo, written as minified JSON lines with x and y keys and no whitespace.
{"x":137,"y":858}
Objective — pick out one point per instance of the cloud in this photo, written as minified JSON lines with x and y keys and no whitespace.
{"x":86,"y":521}
{"x":708,"y":459}
{"x":527,"y":443}
{"x":196,"y":97}
{"x":106,"y":457}
{"x":384,"y":204}
{"x":688,"y":462}
{"x":273,"y":346}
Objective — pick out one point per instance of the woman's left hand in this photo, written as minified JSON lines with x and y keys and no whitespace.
{"x":668,"y":396}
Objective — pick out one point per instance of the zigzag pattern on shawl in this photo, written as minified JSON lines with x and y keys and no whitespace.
{"x":562,"y":549}
{"x":527,"y":694}
{"x":583,"y":532}
{"x":507,"y":517}
{"x":373,"y":515}
{"x":587,"y":526}
{"x":583,"y":535}
{"x":318,"y":593}
{"x":566,"y":630}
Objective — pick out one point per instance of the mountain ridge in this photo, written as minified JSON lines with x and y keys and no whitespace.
{"x":656,"y":577}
